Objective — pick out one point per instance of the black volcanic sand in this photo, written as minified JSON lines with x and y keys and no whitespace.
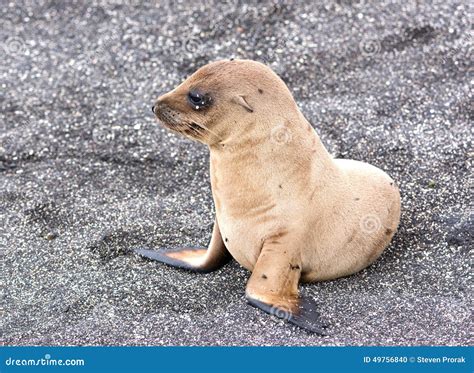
{"x":86,"y":173}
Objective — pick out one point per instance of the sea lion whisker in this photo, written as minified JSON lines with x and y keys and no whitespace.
{"x":202,"y":126}
{"x":199,"y":130}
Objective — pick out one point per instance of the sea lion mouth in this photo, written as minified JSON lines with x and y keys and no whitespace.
{"x":170,"y":118}
{"x":178,"y":123}
{"x":183,"y":127}
{"x":167,"y":116}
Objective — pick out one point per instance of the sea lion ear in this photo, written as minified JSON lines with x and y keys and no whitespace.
{"x":241,"y":101}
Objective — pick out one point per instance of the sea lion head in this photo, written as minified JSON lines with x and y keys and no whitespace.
{"x":222,"y":99}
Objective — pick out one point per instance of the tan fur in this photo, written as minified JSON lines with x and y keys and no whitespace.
{"x":288,"y":211}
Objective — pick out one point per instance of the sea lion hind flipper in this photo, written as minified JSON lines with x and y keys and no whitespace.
{"x":306,"y":316}
{"x":197,"y":259}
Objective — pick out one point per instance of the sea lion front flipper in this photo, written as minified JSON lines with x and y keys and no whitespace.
{"x":273,"y":287}
{"x":306,"y":316}
{"x":193,"y":259}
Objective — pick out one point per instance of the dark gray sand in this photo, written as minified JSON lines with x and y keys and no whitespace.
{"x":86,"y":173}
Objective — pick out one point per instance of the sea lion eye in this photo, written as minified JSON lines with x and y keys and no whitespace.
{"x":197,"y":99}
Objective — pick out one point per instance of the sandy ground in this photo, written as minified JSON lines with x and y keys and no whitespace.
{"x":86,"y":173}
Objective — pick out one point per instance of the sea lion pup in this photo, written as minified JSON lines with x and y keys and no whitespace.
{"x":285,"y":209}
